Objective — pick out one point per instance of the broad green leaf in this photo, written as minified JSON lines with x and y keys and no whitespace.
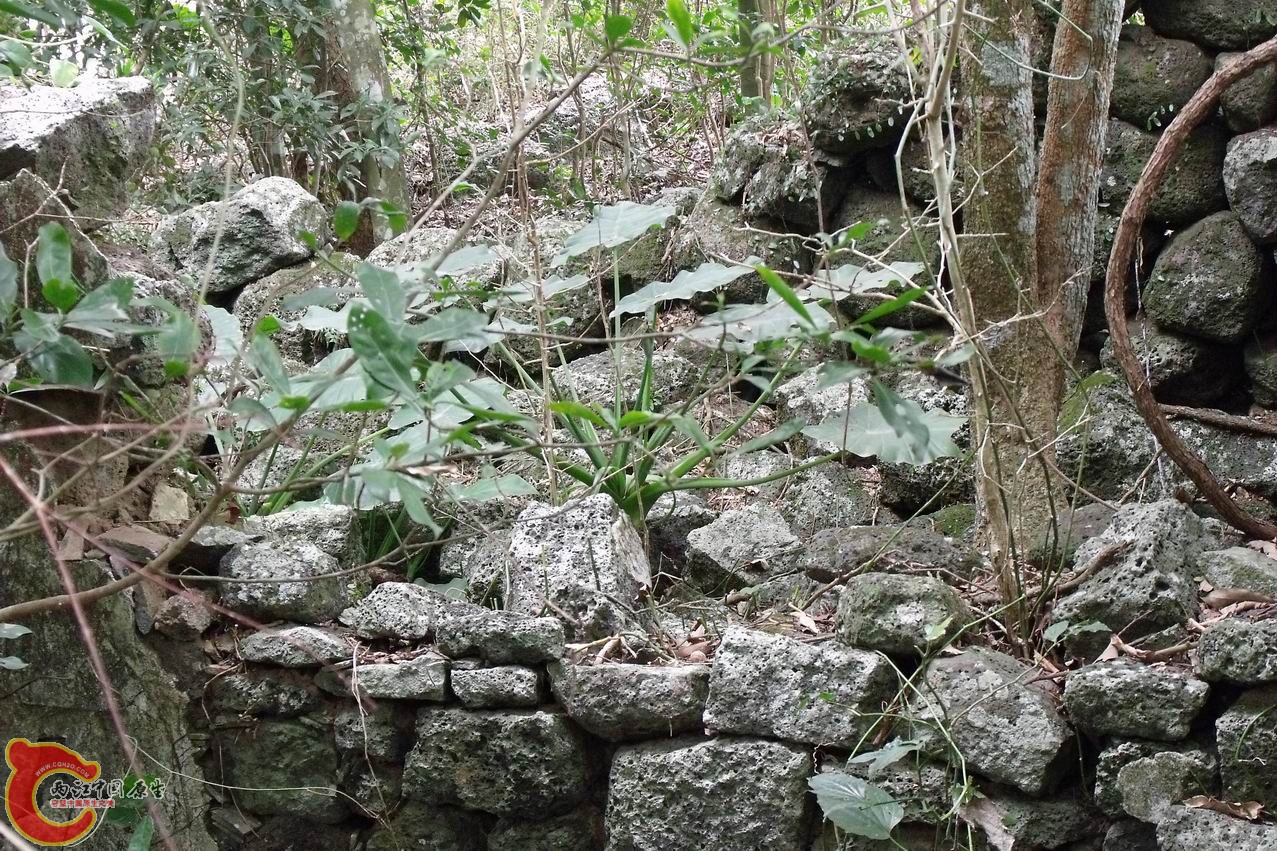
{"x":834,"y":373}
{"x":8,"y":284}
{"x":891,"y":306}
{"x":62,"y":73}
{"x":748,"y":324}
{"x":614,"y":226}
{"x":115,"y":9}
{"x":892,"y":752}
{"x":466,"y":259}
{"x":103,"y":310}
{"x":526,"y":291}
{"x":62,"y":361}
{"x":497,"y":487}
{"x":704,"y":278}
{"x":13,"y":630}
{"x":576,"y":410}
{"x":53,"y":255}
{"x":850,"y":279}
{"x":346,"y":220}
{"x":22,"y":10}
{"x":62,"y":293}
{"x":617,"y":27}
{"x":864,"y":431}
{"x":15,"y":54}
{"x":856,"y":806}
{"x":786,"y":293}
{"x":177,"y":342}
{"x":386,"y":357}
{"x":11,"y":663}
{"x":228,"y":335}
{"x":264,"y":357}
{"x":142,"y":836}
{"x":451,"y":323}
{"x":682,"y":30}
{"x":384,"y":291}
{"x":396,"y":217}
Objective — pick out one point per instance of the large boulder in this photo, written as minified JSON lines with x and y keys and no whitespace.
{"x":900,"y":614}
{"x":691,"y":794}
{"x":620,"y":702}
{"x":581,"y":561}
{"x":855,"y":99}
{"x":832,"y":553}
{"x":335,"y":529}
{"x":256,"y":231}
{"x":1218,"y":24}
{"x":1109,"y":794}
{"x":1155,"y":76}
{"x":1181,"y":370}
{"x":1152,"y":785}
{"x":1237,"y":650}
{"x":1125,"y":698}
{"x":580,"y":830}
{"x":771,"y":685}
{"x":1250,"y":179}
{"x":1251,"y":102}
{"x":1210,"y":282}
{"x":1193,"y":186}
{"x":1005,"y":728}
{"x":594,"y":379}
{"x":507,"y":763}
{"x":1247,"y":737}
{"x":90,"y":140}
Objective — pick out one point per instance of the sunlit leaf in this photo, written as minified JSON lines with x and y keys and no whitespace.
{"x":62,"y":73}
{"x":892,"y":752}
{"x":53,"y":254}
{"x":346,"y":220}
{"x":704,"y":278}
{"x":856,"y":806}
{"x":614,"y":226}
{"x":681,"y":30}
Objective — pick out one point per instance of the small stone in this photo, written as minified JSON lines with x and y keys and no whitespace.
{"x":422,"y":678}
{"x":210,"y":545}
{"x":525,"y":764}
{"x":302,"y":601}
{"x":499,"y":638}
{"x":619,"y":702}
{"x":692,"y":794}
{"x":1126,"y":698}
{"x":771,"y":685}
{"x":1122,"y":752}
{"x":1247,"y":737}
{"x":399,"y":610}
{"x":1240,"y":568}
{"x":1005,"y":729}
{"x":332,"y":528}
{"x":505,"y":685}
{"x":833,"y":553}
{"x":263,"y":692}
{"x":183,"y":619}
{"x":1152,"y":785}
{"x":170,"y":505}
{"x":1191,"y":829}
{"x":294,"y":647}
{"x":1236,"y":650}
{"x":742,"y":547}
{"x":900,"y":614}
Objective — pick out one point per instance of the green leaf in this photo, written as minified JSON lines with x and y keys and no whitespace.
{"x":265,"y":358}
{"x":617,"y":27}
{"x":451,"y":323}
{"x":777,"y":435}
{"x":62,"y":361}
{"x":103,"y":310}
{"x":13,"y":630}
{"x":387,"y":358}
{"x":228,"y":334}
{"x":889,"y":307}
{"x":396,"y":217}
{"x":856,"y":806}
{"x":704,"y":278}
{"x":8,"y":284}
{"x":11,"y":663}
{"x":22,"y":10}
{"x":116,"y":10}
{"x":496,"y":487}
{"x":16,"y":54}
{"x":384,"y":292}
{"x":682,"y":30}
{"x":786,"y":293}
{"x":53,"y":255}
{"x":177,"y":342}
{"x":890,"y":753}
{"x":346,"y":220}
{"x":614,"y":226}
{"x":62,"y":294}
{"x":62,"y":73}
{"x":142,"y":836}
{"x":865,"y":431}
{"x":576,"y":410}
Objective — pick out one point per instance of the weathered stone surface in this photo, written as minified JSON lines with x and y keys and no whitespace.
{"x":836,"y":552}
{"x":413,"y":251}
{"x":1247,"y":737}
{"x":1152,"y":785}
{"x":504,"y":685}
{"x":398,"y":610}
{"x":1250,"y":179}
{"x":313,"y":601}
{"x":671,"y":519}
{"x":1148,"y":586}
{"x":1126,"y":698}
{"x":1014,"y":821}
{"x":1005,"y":729}
{"x":267,"y":296}
{"x":1181,"y":370}
{"x":619,"y":702}
{"x":1209,"y":282}
{"x":294,"y":647}
{"x":1260,"y":360}
{"x":1251,"y":102}
{"x":771,"y":685}
{"x":1239,"y":567}
{"x":259,"y":228}
{"x":179,"y":617}
{"x":1155,"y":76}
{"x":527,"y":764}
{"x":671,"y":796}
{"x":586,"y":558}
{"x":776,"y":176}
{"x":579,"y":830}
{"x":593,"y":378}
{"x":280,"y":693}
{"x":90,"y":139}
{"x":742,"y":547}
{"x":210,"y":544}
{"x":854,"y":99}
{"x":1237,"y":650}
{"x":1120,"y":753}
{"x":271,"y":762}
{"x":899,"y":614}
{"x":382,"y":733}
{"x":332,"y":528}
{"x":1220,"y":24}
{"x":421,"y":678}
{"x":424,"y":827}
{"x":499,"y":638}
{"x":1188,"y":829}
{"x":1130,"y":835}
{"x":1193,"y":187}
{"x":28,"y":203}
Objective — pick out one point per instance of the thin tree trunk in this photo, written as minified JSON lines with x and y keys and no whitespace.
{"x":751,"y":71}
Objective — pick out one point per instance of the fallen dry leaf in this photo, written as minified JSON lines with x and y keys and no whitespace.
{"x":1221,"y":597}
{"x":1249,"y":810}
{"x":1268,"y":548}
{"x":1113,"y":651}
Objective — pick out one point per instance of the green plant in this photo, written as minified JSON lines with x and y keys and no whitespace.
{"x":10,"y":631}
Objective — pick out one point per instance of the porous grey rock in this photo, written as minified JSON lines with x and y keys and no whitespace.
{"x":1120,"y":753}
{"x":1251,"y":102}
{"x":1190,"y":829}
{"x":305,"y":600}
{"x":400,"y":610}
{"x":579,"y":830}
{"x":585,"y":558}
{"x":855,"y":97}
{"x":1146,"y":587}
{"x":826,"y":497}
{"x":1005,"y":729}
{"x":380,"y":733}
{"x":285,"y":694}
{"x":742,"y":547}
{"x":1239,"y":567}
{"x":1209,"y":282}
{"x":259,"y":227}
{"x":900,"y":614}
{"x":1250,"y":179}
{"x":921,"y":786}
{"x":1181,"y":370}
{"x":593,"y":379}
{"x":504,"y":685}
{"x":425,"y":827}
{"x":1155,"y":76}
{"x":294,"y":647}
{"x":670,"y":796}
{"x":1193,"y":186}
{"x":671,"y":519}
{"x":181,"y":618}
{"x":413,"y":251}
{"x":837,"y":552}
{"x":1237,"y":650}
{"x":1130,"y":835}
{"x":209,"y":545}
{"x":1152,"y":785}
{"x":1126,"y":698}
{"x":1218,"y":24}
{"x":28,"y":203}
{"x":282,"y":768}
{"x":90,"y":139}
{"x":499,"y":638}
{"x":1012,"y":820}
{"x":772,"y":685}
{"x":528,"y":764}
{"x":421,"y":678}
{"x":1247,"y":737}
{"x":620,"y":702}
{"x":332,"y":528}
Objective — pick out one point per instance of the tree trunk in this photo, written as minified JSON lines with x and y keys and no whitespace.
{"x":356,"y":71}
{"x":751,"y":72}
